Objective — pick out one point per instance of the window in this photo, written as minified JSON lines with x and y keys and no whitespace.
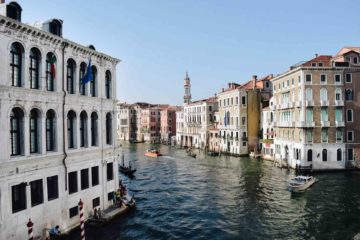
{"x":13,"y":10}
{"x":36,"y":189}
{"x":337,"y":78}
{"x":349,"y":94}
{"x":324,"y":114}
{"x":243,"y":100}
{"x":324,"y":135}
{"x":82,"y":88}
{"x":94,"y":129}
{"x":16,"y":131}
{"x":349,"y":115}
{"x":309,"y":115}
{"x":84,"y":174}
{"x":313,"y":64}
{"x":323,"y":94}
{"x":355,"y":60}
{"x":110,"y":196}
{"x":52,"y":187}
{"x":309,"y":95}
{"x":18,"y":193}
{"x":324,"y":155}
{"x":73,"y":182}
{"x":109,"y":171}
{"x":34,"y":68}
{"x":339,"y":135}
{"x":96,"y":202}
{"x":309,"y":136}
{"x":108,"y":129}
{"x":34,"y":131}
{"x":93,"y":81}
{"x":348,"y":78}
{"x":55,"y":27}
{"x":50,"y":130}
{"x":74,"y":211}
{"x":95,"y":176}
{"x":323,"y":78}
{"x":309,"y":155}
{"x":16,"y":63}
{"x":350,"y":154}
{"x":83,"y":129}
{"x":70,"y":76}
{"x":338,"y":94}
{"x":50,"y":71}
{"x":308,"y":77}
{"x":108,"y":84}
{"x":320,"y":64}
{"x":71,"y":123}
{"x":339,"y":154}
{"x":350,"y":136}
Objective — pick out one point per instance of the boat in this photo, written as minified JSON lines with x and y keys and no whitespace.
{"x":301,"y":183}
{"x":152,"y":153}
{"x":253,"y":155}
{"x":212,"y":154}
{"x":126,"y":170}
{"x":191,"y":154}
{"x":136,"y":141}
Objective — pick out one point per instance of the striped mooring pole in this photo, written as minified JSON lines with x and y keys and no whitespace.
{"x":30,"y":225}
{"x":82,"y":228}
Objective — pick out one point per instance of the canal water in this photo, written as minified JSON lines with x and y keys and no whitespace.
{"x":179,"y":197}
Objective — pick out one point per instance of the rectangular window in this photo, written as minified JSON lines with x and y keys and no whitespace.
{"x":350,"y":136}
{"x":96,"y":202}
{"x":349,"y":115}
{"x":348,"y":78}
{"x":18,"y":193}
{"x":110,"y":196}
{"x":95,"y":176}
{"x":52,"y":187}
{"x":74,"y":211}
{"x":243,"y":120}
{"x":324,"y":135}
{"x":109,"y":171}
{"x":323,"y":78}
{"x":243,"y":100}
{"x":337,"y":78}
{"x":244,"y":144}
{"x":350,"y":154}
{"x":73,"y":182}
{"x":324,"y":114}
{"x":36,"y":189}
{"x":339,"y":135}
{"x":338,"y":115}
{"x":308,"y":77}
{"x":84,"y":174}
{"x":309,"y":115}
{"x":309,"y":136}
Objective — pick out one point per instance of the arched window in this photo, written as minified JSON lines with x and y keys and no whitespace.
{"x":309,"y":95}
{"x":323,"y":94}
{"x":94,"y":132}
{"x":324,"y":155}
{"x":70,"y":76}
{"x":83,"y":129}
{"x":349,"y":95}
{"x":338,"y":94}
{"x":55,"y":27}
{"x":34,"y":68}
{"x":16,"y":131}
{"x":16,"y":63}
{"x":108,"y":84}
{"x":50,"y":71}
{"x":82,"y":72}
{"x":34,"y":131}
{"x":271,"y":117}
{"x":50,"y":130}
{"x":108,"y":129}
{"x":309,"y":155}
{"x":93,"y":81}
{"x":71,"y":126}
{"x":13,"y":10}
{"x":339,"y":154}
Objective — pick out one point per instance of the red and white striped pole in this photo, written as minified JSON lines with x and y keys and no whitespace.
{"x":82,"y":228}
{"x":30,"y":225}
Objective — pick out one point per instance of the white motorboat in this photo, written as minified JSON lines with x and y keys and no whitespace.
{"x":301,"y":183}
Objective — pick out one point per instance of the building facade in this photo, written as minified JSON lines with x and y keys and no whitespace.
{"x":168,"y":124}
{"x":57,"y":133}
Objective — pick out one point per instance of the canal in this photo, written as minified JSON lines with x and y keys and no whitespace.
{"x":179,"y":197}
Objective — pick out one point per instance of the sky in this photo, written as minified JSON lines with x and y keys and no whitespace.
{"x":216,"y":41}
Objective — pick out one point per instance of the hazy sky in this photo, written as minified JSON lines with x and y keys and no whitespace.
{"x":216,"y":41}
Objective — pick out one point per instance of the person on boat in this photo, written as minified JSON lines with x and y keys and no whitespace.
{"x":100,"y":213}
{"x":54,"y":232}
{"x":96,"y":213}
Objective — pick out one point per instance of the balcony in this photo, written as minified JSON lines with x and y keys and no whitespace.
{"x":303,"y":124}
{"x":324,"y":103}
{"x":325,"y":124}
{"x":285,"y":124}
{"x":310,"y":124}
{"x":298,"y":104}
{"x":300,"y":124}
{"x":339,"y":103}
{"x":286,"y":105}
{"x":309,"y":103}
{"x":339,"y":124}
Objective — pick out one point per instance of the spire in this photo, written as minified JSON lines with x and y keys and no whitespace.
{"x":187,"y":94}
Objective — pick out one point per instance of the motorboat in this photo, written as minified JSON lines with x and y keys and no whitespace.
{"x":152,"y":153}
{"x":301,"y":183}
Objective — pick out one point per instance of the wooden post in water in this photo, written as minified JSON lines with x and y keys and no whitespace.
{"x":82,"y":227}
{"x":30,"y":225}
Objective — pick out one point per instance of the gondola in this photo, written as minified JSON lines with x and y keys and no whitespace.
{"x":127,"y":170}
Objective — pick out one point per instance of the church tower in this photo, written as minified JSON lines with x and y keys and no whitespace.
{"x":187,"y":95}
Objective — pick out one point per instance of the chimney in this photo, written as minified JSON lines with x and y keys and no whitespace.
{"x":254,"y":81}
{"x":316,"y":55}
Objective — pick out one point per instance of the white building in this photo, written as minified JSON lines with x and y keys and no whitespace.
{"x":179,"y":125}
{"x":57,"y":134}
{"x":267,"y":125}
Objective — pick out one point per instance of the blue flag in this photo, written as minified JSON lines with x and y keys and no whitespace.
{"x":87,"y":76}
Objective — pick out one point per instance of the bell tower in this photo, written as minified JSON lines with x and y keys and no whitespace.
{"x":187,"y":86}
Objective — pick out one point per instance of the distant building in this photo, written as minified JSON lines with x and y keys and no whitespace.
{"x":168,"y":124}
{"x":267,"y":142}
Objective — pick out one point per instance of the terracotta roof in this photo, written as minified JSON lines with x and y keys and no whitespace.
{"x":259,"y":83}
{"x":209,"y":100}
{"x":324,"y":59}
{"x":345,"y":50}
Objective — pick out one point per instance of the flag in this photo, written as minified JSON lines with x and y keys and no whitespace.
{"x":87,"y":76}
{"x":52,"y":66}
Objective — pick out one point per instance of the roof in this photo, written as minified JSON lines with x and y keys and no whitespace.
{"x":208,"y":100}
{"x":259,"y":83}
{"x":345,"y":50}
{"x":325,"y":59}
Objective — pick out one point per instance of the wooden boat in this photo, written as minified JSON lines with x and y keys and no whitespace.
{"x":152,"y":153}
{"x":212,"y":154}
{"x":301,"y":183}
{"x":136,"y":141}
{"x":126,"y":170}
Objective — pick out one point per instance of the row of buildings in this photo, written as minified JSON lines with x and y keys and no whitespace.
{"x":58,"y":143}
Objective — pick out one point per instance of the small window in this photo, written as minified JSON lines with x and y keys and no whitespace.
{"x":323,"y":78}
{"x":74,"y":211}
{"x":350,"y":154}
{"x":18,"y":197}
{"x":308,"y":77}
{"x":349,"y":115}
{"x":110,"y":171}
{"x":37,"y":196}
{"x":84,"y":178}
{"x":52,"y":187}
{"x":324,"y":155}
{"x":348,"y":78}
{"x":350,"y":136}
{"x":349,"y":96}
{"x":244,"y":144}
{"x":355,"y":60}
{"x":243,"y":100}
{"x":96,"y":202}
{"x":337,"y":78}
{"x":73,"y":187}
{"x":313,"y":64}
{"x":95,"y":176}
{"x":339,"y":154}
{"x":320,"y":64}
{"x":110,"y":196}
{"x":309,"y":155}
